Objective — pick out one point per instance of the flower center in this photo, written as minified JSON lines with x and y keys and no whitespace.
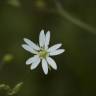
{"x":43,"y":53}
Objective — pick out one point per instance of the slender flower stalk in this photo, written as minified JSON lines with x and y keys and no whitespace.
{"x":42,"y":53}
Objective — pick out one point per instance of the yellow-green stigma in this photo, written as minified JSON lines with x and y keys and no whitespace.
{"x":43,"y":54}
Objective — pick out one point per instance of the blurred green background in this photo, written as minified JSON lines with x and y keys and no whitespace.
{"x":71,"y":22}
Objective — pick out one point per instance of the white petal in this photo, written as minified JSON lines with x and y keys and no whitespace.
{"x":42,"y":38}
{"x":57,"y":52}
{"x":31,"y":44}
{"x":54,"y":47}
{"x":52,"y":63}
{"x":45,"y":66}
{"x":28,"y":48}
{"x":32,"y":59}
{"x":47,"y":39}
{"x":35,"y":64}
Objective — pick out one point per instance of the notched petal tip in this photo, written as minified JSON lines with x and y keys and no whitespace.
{"x":54,"y":47}
{"x":42,"y":38}
{"x":28,"y":48}
{"x":22,"y":45}
{"x":33,"y":59}
{"x":35,"y":64}
{"x":48,"y":32}
{"x":57,"y":52}
{"x":42,"y":31}
{"x":47,"y":38}
{"x":25,"y":39}
{"x":31,"y":44}
{"x":52,"y":63}
{"x":63,"y":50}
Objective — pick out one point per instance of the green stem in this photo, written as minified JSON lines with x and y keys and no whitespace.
{"x":75,"y":21}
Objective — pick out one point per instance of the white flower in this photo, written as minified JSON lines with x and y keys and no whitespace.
{"x":42,"y":53}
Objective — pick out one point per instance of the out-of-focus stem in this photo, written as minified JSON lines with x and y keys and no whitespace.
{"x":72,"y":19}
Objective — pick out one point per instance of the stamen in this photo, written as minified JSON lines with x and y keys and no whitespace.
{"x":43,"y":53}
